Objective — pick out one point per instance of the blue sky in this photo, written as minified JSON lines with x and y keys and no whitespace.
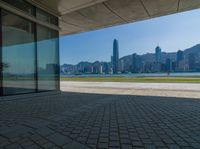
{"x":172,"y":32}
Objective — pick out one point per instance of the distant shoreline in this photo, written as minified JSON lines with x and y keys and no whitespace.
{"x":153,"y":79}
{"x":136,"y":75}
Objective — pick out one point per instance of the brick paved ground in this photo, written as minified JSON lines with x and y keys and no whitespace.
{"x":84,"y":121}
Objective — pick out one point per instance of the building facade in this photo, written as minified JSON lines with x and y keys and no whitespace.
{"x":179,"y":56}
{"x":115,"y":57}
{"x":136,"y":63}
{"x":29,"y":53}
{"x":158,"y":53}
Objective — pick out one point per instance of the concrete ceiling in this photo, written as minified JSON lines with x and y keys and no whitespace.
{"x":84,"y":15}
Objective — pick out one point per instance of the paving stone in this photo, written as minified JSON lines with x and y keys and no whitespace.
{"x":41,"y":141}
{"x":44,"y":131}
{"x":59,"y":139}
{"x":13,"y":146}
{"x":137,"y":144}
{"x":195,"y":145}
{"x":126,"y":146}
{"x":159,"y":144}
{"x":74,"y":145}
{"x":82,"y":139}
{"x":150,"y":146}
{"x":125,"y":141}
{"x":114,"y":143}
{"x":146,"y":141}
{"x":48,"y":145}
{"x":182,"y":144}
{"x":4,"y":143}
{"x":173,"y":146}
{"x":102,"y":145}
{"x":27,"y":143}
{"x":34,"y":146}
{"x":100,"y":121}
{"x":114,"y":138}
{"x":92,"y":141}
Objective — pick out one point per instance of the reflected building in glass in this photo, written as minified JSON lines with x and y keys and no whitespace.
{"x":29,"y":49}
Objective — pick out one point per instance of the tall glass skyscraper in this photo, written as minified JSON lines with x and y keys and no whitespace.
{"x":29,"y":49}
{"x":115,"y":56}
{"x":158,"y":54}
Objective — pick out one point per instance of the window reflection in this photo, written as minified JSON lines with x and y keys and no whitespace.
{"x":48,"y":67}
{"x":18,"y":55}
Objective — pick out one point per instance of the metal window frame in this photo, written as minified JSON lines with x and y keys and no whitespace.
{"x":58,"y":58}
{"x":36,"y":56}
{"x":20,"y":13}
{"x":1,"y":71}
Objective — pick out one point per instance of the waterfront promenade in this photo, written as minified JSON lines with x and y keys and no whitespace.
{"x":184,"y":90}
{"x":101,"y":121}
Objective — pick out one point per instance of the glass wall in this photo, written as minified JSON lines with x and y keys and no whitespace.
{"x":47,"y":54}
{"x":18,"y":54}
{"x":28,"y":54}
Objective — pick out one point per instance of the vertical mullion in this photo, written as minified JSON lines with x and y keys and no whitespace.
{"x":1,"y":59}
{"x":58,"y":61}
{"x":36,"y":52}
{"x":36,"y":58}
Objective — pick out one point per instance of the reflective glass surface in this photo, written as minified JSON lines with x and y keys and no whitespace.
{"x":29,"y":60}
{"x":47,"y":54}
{"x":18,"y":54}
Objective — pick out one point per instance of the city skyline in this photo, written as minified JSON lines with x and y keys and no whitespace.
{"x":186,"y":60}
{"x":171,"y":32}
{"x":157,"y":54}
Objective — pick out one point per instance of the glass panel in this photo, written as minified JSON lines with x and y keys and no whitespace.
{"x":18,"y":54}
{"x":22,"y":5}
{"x":46,"y":17}
{"x":48,"y":66}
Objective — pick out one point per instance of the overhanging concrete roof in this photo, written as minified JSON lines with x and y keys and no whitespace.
{"x":84,"y":15}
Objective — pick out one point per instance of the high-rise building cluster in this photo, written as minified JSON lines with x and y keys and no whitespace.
{"x":181,"y":61}
{"x":166,"y":62}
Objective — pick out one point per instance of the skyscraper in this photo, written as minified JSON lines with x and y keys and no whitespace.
{"x":168,"y":65}
{"x":111,"y":59}
{"x":136,"y":63}
{"x":158,"y":54}
{"x":180,"y":60}
{"x":179,"y":56}
{"x":121,"y":65}
{"x":115,"y":56}
{"x":191,"y":61}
